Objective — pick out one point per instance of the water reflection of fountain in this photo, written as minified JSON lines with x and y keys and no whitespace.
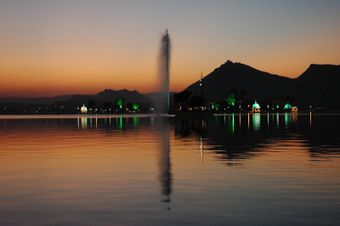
{"x":165,"y":176}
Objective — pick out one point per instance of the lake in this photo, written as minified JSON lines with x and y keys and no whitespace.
{"x":235,"y":169}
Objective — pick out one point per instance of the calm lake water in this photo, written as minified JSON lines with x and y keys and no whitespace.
{"x":275,"y":169}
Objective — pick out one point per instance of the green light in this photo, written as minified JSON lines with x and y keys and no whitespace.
{"x":288,"y":119}
{"x":256,"y":105}
{"x":120,"y":125}
{"x":231,"y":99}
{"x":256,"y":121}
{"x":215,"y":106}
{"x":231,"y":124}
{"x":120,"y":103}
{"x":135,"y":106}
{"x":287,"y":106}
{"x":83,"y":122}
{"x":135,"y":121}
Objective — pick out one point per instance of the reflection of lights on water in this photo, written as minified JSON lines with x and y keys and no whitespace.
{"x":256,"y":121}
{"x":287,"y":119}
{"x":203,"y":124}
{"x":201,"y":150}
{"x":248,"y":119}
{"x":240,"y":120}
{"x":233,"y":123}
{"x":135,"y":121}
{"x":120,"y":125}
{"x":294,"y":116}
{"x":83,"y":123}
{"x":290,"y":118}
{"x":119,"y":122}
{"x":268,"y":120}
{"x":310,"y":119}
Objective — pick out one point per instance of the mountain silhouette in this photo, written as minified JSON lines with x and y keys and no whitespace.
{"x":255,"y":83}
{"x":318,"y":85}
{"x":107,"y":95}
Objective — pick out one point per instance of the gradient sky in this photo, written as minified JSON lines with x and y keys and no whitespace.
{"x":50,"y":47}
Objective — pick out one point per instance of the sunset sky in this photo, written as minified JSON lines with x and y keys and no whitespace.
{"x":59,"y":47}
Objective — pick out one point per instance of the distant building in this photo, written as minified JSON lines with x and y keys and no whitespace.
{"x":256,"y":107}
{"x":83,"y":109}
{"x":295,"y":109}
{"x":287,"y":107}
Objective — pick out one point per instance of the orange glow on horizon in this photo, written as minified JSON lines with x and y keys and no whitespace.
{"x":83,"y":47}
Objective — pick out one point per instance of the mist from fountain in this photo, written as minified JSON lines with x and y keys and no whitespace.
{"x":163,"y":100}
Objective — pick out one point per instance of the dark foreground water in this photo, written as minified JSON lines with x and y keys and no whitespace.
{"x":222,"y":170}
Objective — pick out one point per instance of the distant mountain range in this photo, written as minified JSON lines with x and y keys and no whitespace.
{"x":107,"y":95}
{"x":103,"y":101}
{"x":319,"y":85}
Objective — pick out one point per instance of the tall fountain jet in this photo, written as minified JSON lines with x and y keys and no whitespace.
{"x":164,"y":74}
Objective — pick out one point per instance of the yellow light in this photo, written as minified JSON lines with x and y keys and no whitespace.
{"x":83,"y":109}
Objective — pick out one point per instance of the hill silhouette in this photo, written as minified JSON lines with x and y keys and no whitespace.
{"x":103,"y":101}
{"x":107,"y":95}
{"x":318,"y":85}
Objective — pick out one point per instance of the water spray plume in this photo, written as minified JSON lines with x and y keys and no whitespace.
{"x":163,"y":104}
